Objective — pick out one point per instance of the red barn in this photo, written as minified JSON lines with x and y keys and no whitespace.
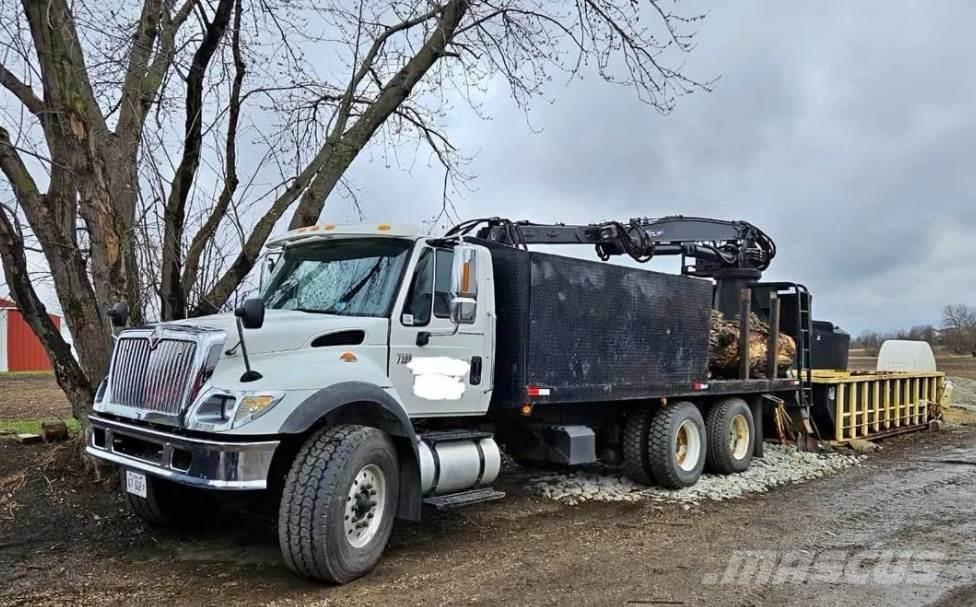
{"x":20,"y":350}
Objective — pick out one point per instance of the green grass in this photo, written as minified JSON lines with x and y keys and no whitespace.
{"x":33,"y":426}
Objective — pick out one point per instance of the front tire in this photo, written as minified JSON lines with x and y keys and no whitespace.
{"x":677,"y":445}
{"x":338,"y":504}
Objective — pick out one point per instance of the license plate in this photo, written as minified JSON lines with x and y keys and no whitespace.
{"x":135,"y":483}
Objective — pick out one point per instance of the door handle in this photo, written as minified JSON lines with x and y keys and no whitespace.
{"x":475,"y":370}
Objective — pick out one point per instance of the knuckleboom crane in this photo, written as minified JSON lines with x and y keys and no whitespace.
{"x":733,"y":253}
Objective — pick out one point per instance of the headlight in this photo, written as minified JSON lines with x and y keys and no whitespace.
{"x":225,"y":410}
{"x":254,"y":405}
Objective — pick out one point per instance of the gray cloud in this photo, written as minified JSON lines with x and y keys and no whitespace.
{"x":845,"y":130}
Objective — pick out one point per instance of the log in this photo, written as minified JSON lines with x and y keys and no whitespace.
{"x":54,"y":431}
{"x":724,"y":348}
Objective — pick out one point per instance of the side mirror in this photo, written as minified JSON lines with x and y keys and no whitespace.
{"x":464,"y":284}
{"x":119,"y":314}
{"x":251,"y":313}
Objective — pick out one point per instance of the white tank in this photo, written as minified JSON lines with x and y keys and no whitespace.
{"x":905,"y":355}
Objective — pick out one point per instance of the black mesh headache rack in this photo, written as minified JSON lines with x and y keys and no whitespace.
{"x":577,"y":331}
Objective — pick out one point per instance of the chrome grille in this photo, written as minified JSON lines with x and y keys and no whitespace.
{"x":154,"y":379}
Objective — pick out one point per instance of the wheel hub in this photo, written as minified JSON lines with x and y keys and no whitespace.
{"x":739,"y":437}
{"x":364,"y":505}
{"x":687,"y":446}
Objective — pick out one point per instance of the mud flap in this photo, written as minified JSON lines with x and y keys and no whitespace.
{"x":757,"y":421}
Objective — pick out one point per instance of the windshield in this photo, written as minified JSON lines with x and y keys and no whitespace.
{"x":351,"y":277}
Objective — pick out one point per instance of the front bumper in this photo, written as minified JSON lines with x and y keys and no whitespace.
{"x":191,"y":461}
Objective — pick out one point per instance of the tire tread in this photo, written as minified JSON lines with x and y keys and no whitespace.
{"x":718,"y":458}
{"x":635,"y":464}
{"x":310,"y":487}
{"x":659,"y":446}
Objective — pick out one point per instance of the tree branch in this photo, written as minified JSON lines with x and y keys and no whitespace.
{"x":173,"y":304}
{"x":14,"y":169}
{"x":396,"y":90}
{"x":206,"y":232}
{"x":145,"y":72}
{"x":67,"y":87}
{"x":24,"y":93}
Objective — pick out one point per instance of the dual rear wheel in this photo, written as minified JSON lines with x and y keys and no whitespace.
{"x":671,"y":446}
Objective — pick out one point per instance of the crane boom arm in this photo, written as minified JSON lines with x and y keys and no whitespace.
{"x":715,"y":244}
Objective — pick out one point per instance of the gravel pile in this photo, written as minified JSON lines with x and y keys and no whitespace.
{"x":781,"y":465}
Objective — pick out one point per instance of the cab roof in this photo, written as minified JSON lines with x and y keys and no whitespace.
{"x":325,"y":230}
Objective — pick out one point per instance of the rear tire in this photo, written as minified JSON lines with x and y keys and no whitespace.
{"x":677,"y":445}
{"x":636,"y":465}
{"x":338,"y":504}
{"x":731,"y":436}
{"x":169,"y":504}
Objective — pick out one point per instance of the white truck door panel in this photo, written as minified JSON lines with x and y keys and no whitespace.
{"x":452,"y":373}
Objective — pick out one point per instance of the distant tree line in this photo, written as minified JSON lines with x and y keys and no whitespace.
{"x":957,"y":333}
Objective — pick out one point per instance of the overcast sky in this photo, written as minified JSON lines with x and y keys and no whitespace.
{"x":846,"y":130}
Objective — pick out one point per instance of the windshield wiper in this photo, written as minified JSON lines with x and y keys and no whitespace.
{"x":348,"y":295}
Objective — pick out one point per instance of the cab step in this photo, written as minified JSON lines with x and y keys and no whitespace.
{"x":464,"y":498}
{"x":446,"y":436}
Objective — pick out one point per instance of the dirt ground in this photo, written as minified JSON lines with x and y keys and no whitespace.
{"x":65,"y":543}
{"x":31,"y":396}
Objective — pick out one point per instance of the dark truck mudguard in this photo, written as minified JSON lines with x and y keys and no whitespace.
{"x":591,"y":331}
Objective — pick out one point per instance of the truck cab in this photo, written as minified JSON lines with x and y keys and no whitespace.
{"x":361,"y":327}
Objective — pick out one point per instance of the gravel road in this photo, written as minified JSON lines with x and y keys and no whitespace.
{"x":897,"y":529}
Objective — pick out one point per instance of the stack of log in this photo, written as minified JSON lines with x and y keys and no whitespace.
{"x":724,"y":348}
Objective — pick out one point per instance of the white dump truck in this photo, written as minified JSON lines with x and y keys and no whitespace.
{"x":381,"y":370}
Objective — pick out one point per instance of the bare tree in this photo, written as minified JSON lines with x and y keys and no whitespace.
{"x":122,"y":126}
{"x":959,"y":328}
{"x":870,"y":341}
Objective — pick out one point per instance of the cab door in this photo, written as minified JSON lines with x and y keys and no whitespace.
{"x":440,"y":368}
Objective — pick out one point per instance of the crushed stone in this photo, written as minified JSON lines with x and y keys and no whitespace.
{"x":781,"y":465}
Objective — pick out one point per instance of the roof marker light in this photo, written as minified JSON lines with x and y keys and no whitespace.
{"x":384,"y":227}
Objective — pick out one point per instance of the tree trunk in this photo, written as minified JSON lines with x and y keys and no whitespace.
{"x":67,"y":372}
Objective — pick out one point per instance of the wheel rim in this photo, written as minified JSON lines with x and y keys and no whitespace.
{"x":687,"y":446}
{"x":364,"y":505}
{"x":739,"y":437}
